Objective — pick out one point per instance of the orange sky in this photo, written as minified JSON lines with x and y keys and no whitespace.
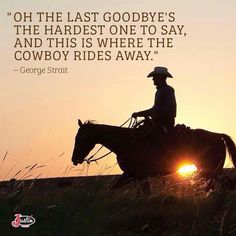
{"x":38,"y":119}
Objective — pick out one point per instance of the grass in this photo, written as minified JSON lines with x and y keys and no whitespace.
{"x":87,"y":206}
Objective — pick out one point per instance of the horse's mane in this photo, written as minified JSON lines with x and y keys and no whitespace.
{"x":89,"y":122}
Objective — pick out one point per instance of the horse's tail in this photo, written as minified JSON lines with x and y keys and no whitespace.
{"x":230,"y":147}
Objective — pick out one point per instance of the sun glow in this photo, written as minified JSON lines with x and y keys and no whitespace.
{"x":187,"y":170}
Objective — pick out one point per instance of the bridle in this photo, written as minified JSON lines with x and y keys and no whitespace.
{"x":133,"y":123}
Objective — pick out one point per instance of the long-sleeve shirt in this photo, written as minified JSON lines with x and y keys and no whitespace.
{"x":164,"y":105}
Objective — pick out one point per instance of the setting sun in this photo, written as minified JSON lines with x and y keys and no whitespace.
{"x":187,"y":170}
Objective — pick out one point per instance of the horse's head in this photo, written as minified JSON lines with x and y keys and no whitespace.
{"x":84,"y":143}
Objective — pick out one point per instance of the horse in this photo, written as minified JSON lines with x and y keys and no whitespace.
{"x":139,"y":158}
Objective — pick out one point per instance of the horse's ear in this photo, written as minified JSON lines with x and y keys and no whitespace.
{"x":80,"y":123}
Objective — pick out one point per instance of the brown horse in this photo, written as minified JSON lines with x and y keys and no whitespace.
{"x":139,"y":158}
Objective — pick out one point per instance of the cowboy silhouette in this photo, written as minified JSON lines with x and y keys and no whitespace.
{"x":163,"y":112}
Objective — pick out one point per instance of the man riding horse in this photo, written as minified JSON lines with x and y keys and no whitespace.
{"x":140,"y":157}
{"x":163,"y":112}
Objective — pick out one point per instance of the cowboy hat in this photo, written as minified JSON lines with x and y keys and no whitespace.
{"x":160,"y":71}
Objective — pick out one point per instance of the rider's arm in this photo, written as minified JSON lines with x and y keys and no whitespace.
{"x":145,"y":113}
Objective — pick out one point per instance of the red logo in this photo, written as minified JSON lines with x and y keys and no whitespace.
{"x":22,"y":220}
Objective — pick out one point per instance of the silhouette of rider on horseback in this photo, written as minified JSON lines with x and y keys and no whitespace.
{"x":163,"y":112}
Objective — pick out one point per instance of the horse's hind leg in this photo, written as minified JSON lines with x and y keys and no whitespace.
{"x":209,"y":177}
{"x":215,"y":158}
{"x":210,"y":186}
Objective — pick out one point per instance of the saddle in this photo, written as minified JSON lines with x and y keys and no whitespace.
{"x":180,"y":130}
{"x":158,"y":136}
{"x":171,"y":140}
{"x":176,"y":137}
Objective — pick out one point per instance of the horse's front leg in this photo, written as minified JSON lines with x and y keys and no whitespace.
{"x":143,"y":186}
{"x":124,"y":179}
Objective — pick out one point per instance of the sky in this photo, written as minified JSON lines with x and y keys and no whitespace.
{"x":38,"y":119}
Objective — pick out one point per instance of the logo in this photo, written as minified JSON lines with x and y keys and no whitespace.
{"x":23,"y":221}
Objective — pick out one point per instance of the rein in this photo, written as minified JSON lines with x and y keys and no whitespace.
{"x":132,"y":123}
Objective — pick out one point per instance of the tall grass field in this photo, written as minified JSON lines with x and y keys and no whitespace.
{"x":87,"y":206}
